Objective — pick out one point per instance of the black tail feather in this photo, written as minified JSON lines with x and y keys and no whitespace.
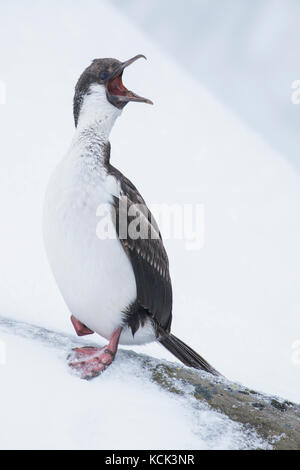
{"x":185,"y":354}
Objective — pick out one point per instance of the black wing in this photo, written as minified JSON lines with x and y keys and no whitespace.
{"x":147,"y":255}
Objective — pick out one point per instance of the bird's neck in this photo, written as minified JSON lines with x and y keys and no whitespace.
{"x":96,"y":119}
{"x":97,"y":113}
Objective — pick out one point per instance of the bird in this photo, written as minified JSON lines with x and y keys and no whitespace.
{"x":117,"y":286}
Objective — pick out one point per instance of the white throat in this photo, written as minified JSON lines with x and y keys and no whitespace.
{"x":97,"y":113}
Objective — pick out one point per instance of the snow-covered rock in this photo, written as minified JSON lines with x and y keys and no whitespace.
{"x":121,"y":409}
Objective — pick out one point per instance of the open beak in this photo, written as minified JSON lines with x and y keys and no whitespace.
{"x":117,"y":93}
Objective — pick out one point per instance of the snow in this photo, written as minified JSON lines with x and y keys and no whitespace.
{"x":59,"y":411}
{"x":236,"y":300}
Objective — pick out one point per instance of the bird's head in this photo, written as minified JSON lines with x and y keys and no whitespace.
{"x":100,"y":89}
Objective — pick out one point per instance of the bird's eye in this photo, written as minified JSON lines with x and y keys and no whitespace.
{"x":103,"y":75}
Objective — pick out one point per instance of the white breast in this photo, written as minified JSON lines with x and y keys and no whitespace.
{"x":95,"y":276}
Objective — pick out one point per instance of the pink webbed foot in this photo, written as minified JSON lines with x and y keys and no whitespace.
{"x":80,"y":328}
{"x":90,"y":361}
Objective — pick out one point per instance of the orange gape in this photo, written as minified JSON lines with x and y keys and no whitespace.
{"x":116,"y":87}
